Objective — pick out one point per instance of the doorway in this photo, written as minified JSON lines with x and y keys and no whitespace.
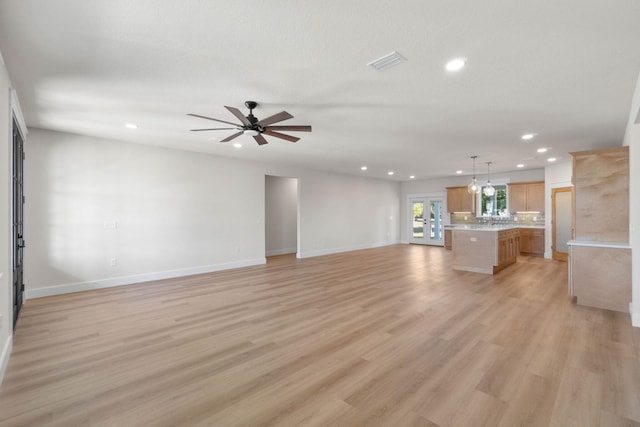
{"x":18,"y":221}
{"x":281,"y":215}
{"x":426,"y":221}
{"x":561,"y":222}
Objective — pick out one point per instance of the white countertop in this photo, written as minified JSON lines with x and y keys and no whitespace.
{"x":488,"y":227}
{"x":593,"y":243}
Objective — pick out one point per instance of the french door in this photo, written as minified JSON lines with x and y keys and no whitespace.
{"x":426,"y":221}
{"x":18,"y":219}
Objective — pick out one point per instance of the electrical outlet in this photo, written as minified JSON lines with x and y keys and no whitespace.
{"x":113,"y":262}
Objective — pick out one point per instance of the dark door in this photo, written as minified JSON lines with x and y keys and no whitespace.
{"x":18,"y":217}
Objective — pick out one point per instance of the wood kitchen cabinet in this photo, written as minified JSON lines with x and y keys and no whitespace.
{"x":526,"y":196}
{"x":532,"y":241}
{"x":459,"y":200}
{"x":600,"y":255}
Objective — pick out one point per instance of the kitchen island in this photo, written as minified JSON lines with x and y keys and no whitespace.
{"x":485,"y":248}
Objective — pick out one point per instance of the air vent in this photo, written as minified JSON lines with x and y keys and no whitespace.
{"x":390,"y":60}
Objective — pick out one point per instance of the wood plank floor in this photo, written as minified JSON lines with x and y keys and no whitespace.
{"x":381,"y":337}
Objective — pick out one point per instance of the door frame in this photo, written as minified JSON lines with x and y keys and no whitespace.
{"x":16,"y":117}
{"x":442,"y":197}
{"x":560,"y":256}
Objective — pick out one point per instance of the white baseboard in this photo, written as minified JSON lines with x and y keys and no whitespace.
{"x":275,"y":252}
{"x":404,"y":242}
{"x":138,"y":278}
{"x":635,"y":316}
{"x":309,"y":254}
{"x":4,"y":356}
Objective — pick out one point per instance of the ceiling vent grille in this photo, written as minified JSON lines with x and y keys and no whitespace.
{"x":390,"y":60}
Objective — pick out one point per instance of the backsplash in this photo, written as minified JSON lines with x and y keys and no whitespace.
{"x":517,"y":219}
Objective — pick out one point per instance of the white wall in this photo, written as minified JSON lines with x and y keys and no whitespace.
{"x":281,"y":215}
{"x":632,"y":139}
{"x":175,"y":212}
{"x":6,"y":292}
{"x":555,"y":176}
{"x":343,"y":212}
{"x":409,"y":188}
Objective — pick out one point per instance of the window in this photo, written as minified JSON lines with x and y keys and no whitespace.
{"x":496,"y":204}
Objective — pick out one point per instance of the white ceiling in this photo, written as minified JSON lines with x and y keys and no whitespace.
{"x":563,"y":69}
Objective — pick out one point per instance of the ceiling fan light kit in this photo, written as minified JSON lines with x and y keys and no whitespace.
{"x":250,"y":125}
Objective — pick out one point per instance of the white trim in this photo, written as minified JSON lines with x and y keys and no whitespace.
{"x":4,"y":356}
{"x":309,"y":254}
{"x":138,"y":278}
{"x":276,"y":252}
{"x":591,"y":243}
{"x":17,"y":112}
{"x":635,"y":316}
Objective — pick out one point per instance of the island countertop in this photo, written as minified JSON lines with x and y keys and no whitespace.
{"x":490,"y":227}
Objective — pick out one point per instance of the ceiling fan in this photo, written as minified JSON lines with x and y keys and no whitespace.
{"x":254,"y":127}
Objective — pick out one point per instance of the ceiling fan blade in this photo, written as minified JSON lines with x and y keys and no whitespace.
{"x":281,"y":135}
{"x":238,"y":115}
{"x":229,"y":138}
{"x":260,"y":139}
{"x":215,"y":120}
{"x":292,"y":128}
{"x":199,"y":130}
{"x":282,"y":115}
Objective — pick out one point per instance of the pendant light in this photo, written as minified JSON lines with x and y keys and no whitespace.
{"x":489,"y":190}
{"x":473,"y":185}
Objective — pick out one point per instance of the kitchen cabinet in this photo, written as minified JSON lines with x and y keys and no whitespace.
{"x":532,"y":241}
{"x":484,"y":249}
{"x":601,"y":195}
{"x":600,"y":255}
{"x":459,"y":200}
{"x":448,"y":238}
{"x":507,"y":248}
{"x":526,"y":196}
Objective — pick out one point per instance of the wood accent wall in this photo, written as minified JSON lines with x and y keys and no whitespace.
{"x":601,"y":196}
{"x":602,"y":277}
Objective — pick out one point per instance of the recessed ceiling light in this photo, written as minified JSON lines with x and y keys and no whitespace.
{"x":528,"y":136}
{"x":520,"y":165}
{"x":542,"y":150}
{"x":456,"y":64}
{"x":458,"y":172}
{"x":363,"y":168}
{"x":390,"y":173}
{"x":412,"y":177}
{"x":237,"y":145}
{"x":131,"y":126}
{"x":551,"y":159}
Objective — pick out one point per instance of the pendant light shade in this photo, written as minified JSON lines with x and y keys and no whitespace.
{"x":489,"y":190}
{"x":473,"y":187}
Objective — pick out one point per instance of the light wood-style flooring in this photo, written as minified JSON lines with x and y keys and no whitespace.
{"x":381,"y":337}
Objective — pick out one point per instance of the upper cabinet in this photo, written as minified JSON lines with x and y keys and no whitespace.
{"x":459,"y":200}
{"x":601,"y":192}
{"x":526,"y":196}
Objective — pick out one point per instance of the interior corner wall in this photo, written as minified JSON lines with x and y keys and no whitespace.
{"x":281,"y":215}
{"x":6,"y":295}
{"x":340,"y":213}
{"x":102,"y":213}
